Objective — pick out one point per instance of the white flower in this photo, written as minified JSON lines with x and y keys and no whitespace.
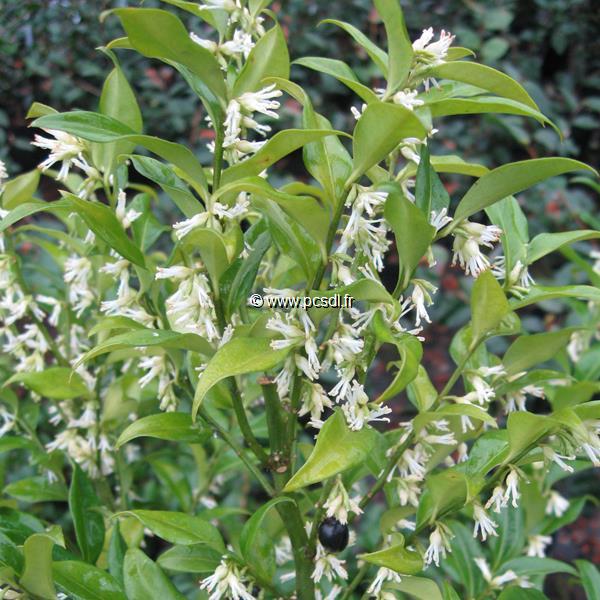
{"x":261,"y":101}
{"x":339,"y":503}
{"x":314,"y":401}
{"x":241,"y":44}
{"x":126,"y":217}
{"x":56,"y":308}
{"x":328,"y":565}
{"x":468,"y":238}
{"x":408,"y":490}
{"x":556,"y":505}
{"x":432,"y":53}
{"x":78,"y":270}
{"x":559,"y":459}
{"x":512,"y":488}
{"x":228,"y":581}
{"x":483,"y":523}
{"x":183,"y":228}
{"x":421,"y":298}
{"x":537,"y":545}
{"x":8,"y":421}
{"x":439,"y":219}
{"x":63,"y":148}
{"x":359,"y":411}
{"x":501,"y":580}
{"x":383,"y":575}
{"x":439,"y":545}
{"x":3,"y":175}
{"x":408,"y":99}
{"x":227,"y":5}
{"x":496,"y":499}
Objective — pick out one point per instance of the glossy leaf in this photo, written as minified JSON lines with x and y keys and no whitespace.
{"x":20,"y":189}
{"x":256,"y":545}
{"x":164,"y":338}
{"x":88,"y":522}
{"x":144,"y":579}
{"x":488,"y":306}
{"x":545,"y":243}
{"x":529,"y":350}
{"x":280,"y":145}
{"x":171,"y":426}
{"x":56,"y":383}
{"x":197,"y":558}
{"x":86,"y":582}
{"x":379,"y":131}
{"x":268,"y":58}
{"x":238,"y":356}
{"x":540,"y":293}
{"x":510,"y":179}
{"x":378,"y":56}
{"x":418,"y":587}
{"x":179,"y":528}
{"x":400,"y":50}
{"x":37,"y":489}
{"x":430,"y":193}
{"x":397,"y":558}
{"x":412,"y":231}
{"x":484,"y":77}
{"x":341,"y":71}
{"x":37,"y":575}
{"x":160,"y":34}
{"x":525,"y":430}
{"x":337,"y":449}
{"x":99,"y":128}
{"x":590,"y":578}
{"x":31,"y":208}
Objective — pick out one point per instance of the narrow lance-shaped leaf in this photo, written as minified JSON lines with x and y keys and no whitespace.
{"x":510,"y":179}
{"x":337,"y":449}
{"x":400,"y":50}
{"x":144,"y":579}
{"x":238,"y":356}
{"x":86,"y":582}
{"x":488,"y":306}
{"x":396,"y":558}
{"x":545,"y":243}
{"x":172,"y":426}
{"x":57,"y":383}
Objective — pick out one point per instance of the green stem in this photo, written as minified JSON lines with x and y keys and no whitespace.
{"x":355,"y":582}
{"x":218,"y":164}
{"x":457,"y":372}
{"x":312,"y":542}
{"x":294,"y":524}
{"x":228,"y":439}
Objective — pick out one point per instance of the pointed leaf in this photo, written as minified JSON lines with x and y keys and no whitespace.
{"x":144,"y":579}
{"x":397,"y":558}
{"x":172,"y":426}
{"x":545,"y":243}
{"x":86,"y":582}
{"x":488,"y":305}
{"x":57,"y":383}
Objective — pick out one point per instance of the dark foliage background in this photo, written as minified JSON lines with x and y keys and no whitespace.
{"x":48,"y":54}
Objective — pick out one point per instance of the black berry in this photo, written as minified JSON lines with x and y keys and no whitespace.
{"x":333,"y":534}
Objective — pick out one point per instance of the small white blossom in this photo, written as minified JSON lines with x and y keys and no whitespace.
{"x":228,"y":581}
{"x":556,"y":505}
{"x":483,"y":523}
{"x":537,"y":545}
{"x":63,"y":148}
{"x":359,"y":411}
{"x":439,"y":545}
{"x":328,"y":565}
{"x":430,"y":52}
{"x":512,"y":488}
{"x":339,"y":503}
{"x":383,"y":576}
{"x":408,"y":99}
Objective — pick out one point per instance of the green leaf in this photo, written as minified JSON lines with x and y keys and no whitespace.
{"x":379,"y":131}
{"x":197,"y":559}
{"x":445,"y":492}
{"x":430,"y":193}
{"x":18,"y":526}
{"x":116,"y":553}
{"x":213,"y":251}
{"x":400,"y":50}
{"x":487,"y":452}
{"x":118,"y":101}
{"x":37,"y":489}
{"x":545,"y":243}
{"x":529,"y":350}
{"x":337,"y":449}
{"x":268,"y":58}
{"x":412,"y":231}
{"x":290,"y":237}
{"x":56,"y":383}
{"x":164,"y":338}
{"x":172,"y":185}
{"x":160,"y":34}
{"x":20,"y":189}
{"x":397,"y":558}
{"x":421,"y":391}
{"x":99,"y":128}
{"x":237,"y":281}
{"x":86,"y":582}
{"x":102,"y":220}
{"x":377,"y":55}
{"x":256,"y":545}
{"x":341,"y":71}
{"x":524,"y":431}
{"x":179,"y":528}
{"x":511,"y":536}
{"x":31,"y":208}
{"x":280,"y":145}
{"x":486,"y":78}
{"x":88,"y":522}
{"x":37,"y":575}
{"x":510,"y":179}
{"x":172,"y":426}
{"x":532,"y":565}
{"x":590,"y":578}
{"x":460,"y":560}
{"x":540,"y":293}
{"x":488,"y":306}
{"x":238,"y":356}
{"x":144,"y":579}
{"x":418,"y":587}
